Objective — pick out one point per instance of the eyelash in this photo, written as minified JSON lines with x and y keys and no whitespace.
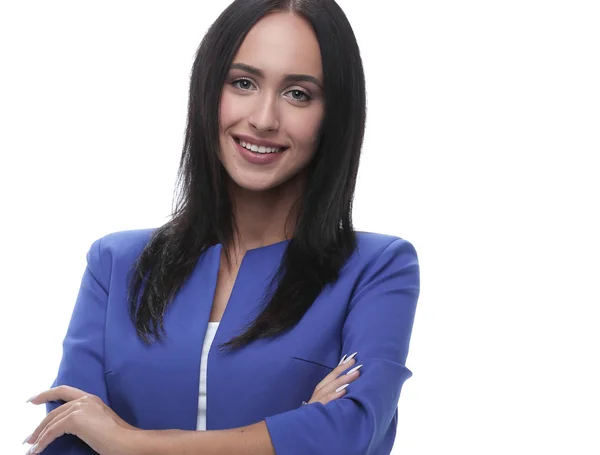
{"x":306,"y":95}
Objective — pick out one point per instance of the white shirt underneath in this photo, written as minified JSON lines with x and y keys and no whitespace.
{"x":208,"y":339}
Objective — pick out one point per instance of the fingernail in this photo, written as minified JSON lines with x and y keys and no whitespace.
{"x":342,"y":359}
{"x":339,"y":389}
{"x":354,"y":369}
{"x":27,"y":438}
{"x":32,"y":450}
{"x":31,"y":398}
{"x":349,"y":358}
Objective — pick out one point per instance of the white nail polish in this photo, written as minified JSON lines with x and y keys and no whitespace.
{"x":349,"y":358}
{"x":32,"y":450}
{"x":27,"y":438}
{"x":339,"y":389}
{"x":342,"y":359}
{"x":356,"y":368}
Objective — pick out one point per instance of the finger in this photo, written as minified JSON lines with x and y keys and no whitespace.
{"x":347,"y":359}
{"x":335,"y":373}
{"x":63,"y":425}
{"x":332,"y":386}
{"x":51,"y":417}
{"x":332,"y":396}
{"x":344,"y":364}
{"x":62,"y":392}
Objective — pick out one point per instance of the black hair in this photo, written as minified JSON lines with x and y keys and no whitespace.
{"x":323,"y":238}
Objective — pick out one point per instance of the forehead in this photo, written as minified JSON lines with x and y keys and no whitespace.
{"x":282,"y":43}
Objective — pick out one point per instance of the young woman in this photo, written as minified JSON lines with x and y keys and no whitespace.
{"x":257,"y":314}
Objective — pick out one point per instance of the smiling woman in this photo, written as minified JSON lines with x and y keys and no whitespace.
{"x":209,"y":334}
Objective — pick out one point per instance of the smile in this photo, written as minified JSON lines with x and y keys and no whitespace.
{"x":259,"y":148}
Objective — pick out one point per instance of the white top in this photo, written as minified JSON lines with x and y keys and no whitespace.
{"x":208,"y":339}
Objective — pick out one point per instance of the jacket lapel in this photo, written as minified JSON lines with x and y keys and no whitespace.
{"x":185,"y":324}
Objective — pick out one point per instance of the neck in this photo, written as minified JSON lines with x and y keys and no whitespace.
{"x":264,"y":217}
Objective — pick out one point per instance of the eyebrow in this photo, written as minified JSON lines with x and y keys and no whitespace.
{"x":286,"y":78}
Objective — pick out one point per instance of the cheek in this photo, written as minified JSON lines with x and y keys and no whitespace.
{"x":306,"y":128}
{"x":227,"y":111}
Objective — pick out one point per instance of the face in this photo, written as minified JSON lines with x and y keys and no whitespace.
{"x":272,"y":104}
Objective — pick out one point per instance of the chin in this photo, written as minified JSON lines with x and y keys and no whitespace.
{"x":253,"y":185}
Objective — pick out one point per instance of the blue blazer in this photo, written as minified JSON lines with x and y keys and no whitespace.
{"x":370,"y":309}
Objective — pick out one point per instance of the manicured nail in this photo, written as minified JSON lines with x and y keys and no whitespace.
{"x":27,"y":438}
{"x":349,"y":358}
{"x":342,"y":359}
{"x":33,"y":448}
{"x":339,"y":389}
{"x":31,"y":398}
{"x":354,"y":369}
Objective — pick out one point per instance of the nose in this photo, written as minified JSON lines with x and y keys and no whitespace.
{"x":265,"y":116}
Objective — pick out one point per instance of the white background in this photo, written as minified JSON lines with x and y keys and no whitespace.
{"x":481,"y":149}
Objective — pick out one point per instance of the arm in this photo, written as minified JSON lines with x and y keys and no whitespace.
{"x":82,"y":363}
{"x":249,"y":440}
{"x":378,"y":326}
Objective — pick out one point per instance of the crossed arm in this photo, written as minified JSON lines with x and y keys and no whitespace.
{"x":93,"y":422}
{"x":378,"y":324}
{"x":89,"y":419}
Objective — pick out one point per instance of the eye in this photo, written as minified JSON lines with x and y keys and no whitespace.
{"x":242,"y":84}
{"x":299,"y":95}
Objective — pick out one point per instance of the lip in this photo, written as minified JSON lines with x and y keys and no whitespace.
{"x":256,"y":158}
{"x":259,"y":142}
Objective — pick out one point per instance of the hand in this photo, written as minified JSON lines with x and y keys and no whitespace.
{"x":85,"y":416}
{"x":326,"y":389}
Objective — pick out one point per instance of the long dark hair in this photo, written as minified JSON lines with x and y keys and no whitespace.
{"x":323,"y":237}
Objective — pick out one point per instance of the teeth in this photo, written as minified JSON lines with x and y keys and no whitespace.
{"x":259,"y":149}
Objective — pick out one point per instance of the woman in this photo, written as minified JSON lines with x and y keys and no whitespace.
{"x":240,"y":308}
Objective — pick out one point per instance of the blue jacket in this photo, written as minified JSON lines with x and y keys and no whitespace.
{"x":370,"y":309}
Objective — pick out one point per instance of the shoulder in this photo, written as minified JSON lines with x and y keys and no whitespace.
{"x":119,"y":248}
{"x":379,"y":257}
{"x":371,"y":245}
{"x":125,"y":242}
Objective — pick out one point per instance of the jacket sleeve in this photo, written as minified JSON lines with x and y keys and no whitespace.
{"x":378,"y":326}
{"x":82,"y":363}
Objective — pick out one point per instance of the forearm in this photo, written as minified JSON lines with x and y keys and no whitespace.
{"x":250,"y":440}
